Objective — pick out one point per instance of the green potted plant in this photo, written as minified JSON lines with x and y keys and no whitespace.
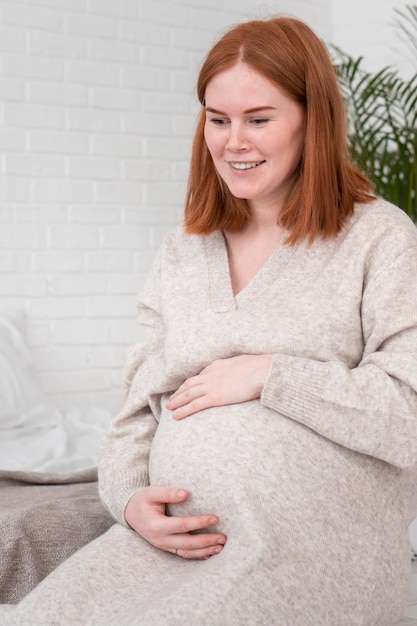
{"x":382,"y":120}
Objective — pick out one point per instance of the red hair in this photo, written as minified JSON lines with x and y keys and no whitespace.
{"x":327,"y":184}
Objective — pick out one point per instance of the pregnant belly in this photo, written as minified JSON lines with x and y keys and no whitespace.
{"x":218,"y":446}
{"x":246,"y":461}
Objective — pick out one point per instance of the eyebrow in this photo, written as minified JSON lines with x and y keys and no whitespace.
{"x":253,"y":110}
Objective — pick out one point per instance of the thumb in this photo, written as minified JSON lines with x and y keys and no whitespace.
{"x":170,"y":495}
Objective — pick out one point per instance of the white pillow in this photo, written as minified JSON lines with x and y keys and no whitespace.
{"x":22,"y":400}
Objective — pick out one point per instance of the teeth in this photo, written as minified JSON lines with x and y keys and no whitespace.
{"x":245,"y":166}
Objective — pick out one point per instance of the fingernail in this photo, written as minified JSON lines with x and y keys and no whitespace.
{"x":181,"y":493}
{"x":212,"y":520}
{"x":221,"y":541}
{"x":218,"y":549}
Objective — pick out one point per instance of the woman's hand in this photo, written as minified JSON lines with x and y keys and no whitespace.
{"x":226,"y":381}
{"x":145,"y":513}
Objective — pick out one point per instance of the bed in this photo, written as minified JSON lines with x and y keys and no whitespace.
{"x":49,"y":503}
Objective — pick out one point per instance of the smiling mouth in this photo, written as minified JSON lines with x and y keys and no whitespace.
{"x":245,"y":166}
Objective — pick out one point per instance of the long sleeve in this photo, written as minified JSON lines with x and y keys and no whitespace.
{"x":124,"y":453}
{"x":370,"y":408}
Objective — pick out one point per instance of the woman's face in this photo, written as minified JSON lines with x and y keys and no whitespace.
{"x":255,"y":134}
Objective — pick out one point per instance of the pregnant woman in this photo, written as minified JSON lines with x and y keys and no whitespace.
{"x":263,"y":468}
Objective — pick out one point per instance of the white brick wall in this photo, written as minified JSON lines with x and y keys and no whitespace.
{"x":370,"y":31}
{"x":97,"y":110}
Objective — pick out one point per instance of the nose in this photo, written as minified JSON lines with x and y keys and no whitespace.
{"x":237,"y":139}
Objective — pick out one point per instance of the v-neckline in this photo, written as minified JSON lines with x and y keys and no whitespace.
{"x":221,"y":291}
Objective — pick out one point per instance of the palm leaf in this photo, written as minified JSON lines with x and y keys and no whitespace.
{"x":382,"y":120}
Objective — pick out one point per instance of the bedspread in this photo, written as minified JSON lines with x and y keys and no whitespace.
{"x":44,"y":518}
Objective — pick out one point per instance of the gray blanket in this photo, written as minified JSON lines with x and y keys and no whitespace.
{"x":44,"y":518}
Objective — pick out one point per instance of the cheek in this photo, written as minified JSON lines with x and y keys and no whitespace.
{"x":212,"y":142}
{"x":295,"y":147}
{"x":299,"y":141}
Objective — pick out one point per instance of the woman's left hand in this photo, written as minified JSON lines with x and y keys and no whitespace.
{"x":225,"y":381}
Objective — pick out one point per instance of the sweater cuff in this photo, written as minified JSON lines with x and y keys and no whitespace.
{"x":123,"y":488}
{"x":292,"y":386}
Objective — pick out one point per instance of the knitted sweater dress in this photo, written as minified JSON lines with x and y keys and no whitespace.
{"x":314,"y":484}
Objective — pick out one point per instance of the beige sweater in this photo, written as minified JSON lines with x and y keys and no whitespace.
{"x":314,"y":483}
{"x":339,"y":316}
{"x":338,"y":413}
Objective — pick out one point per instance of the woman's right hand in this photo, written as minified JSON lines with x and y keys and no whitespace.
{"x":146,"y":514}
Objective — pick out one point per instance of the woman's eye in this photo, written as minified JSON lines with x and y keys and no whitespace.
{"x":257,"y":121}
{"x":218,"y":121}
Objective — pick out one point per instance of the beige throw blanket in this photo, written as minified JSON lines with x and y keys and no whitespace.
{"x":44,"y":518}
